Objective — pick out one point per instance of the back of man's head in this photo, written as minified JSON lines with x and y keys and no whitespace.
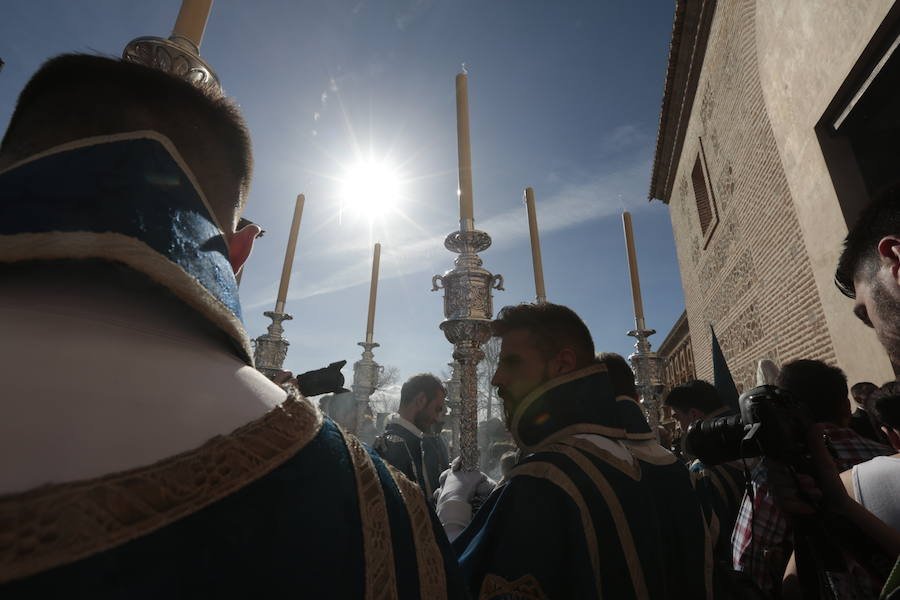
{"x":821,"y":388}
{"x":881,"y":218}
{"x":553,"y":328}
{"x":423,"y":383}
{"x":77,"y":96}
{"x":862,"y":391}
{"x":696,"y":394}
{"x":620,"y":374}
{"x":886,"y":401}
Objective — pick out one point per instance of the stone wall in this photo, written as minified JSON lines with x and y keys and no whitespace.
{"x":751,"y":277}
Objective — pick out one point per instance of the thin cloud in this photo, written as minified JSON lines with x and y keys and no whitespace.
{"x":574,"y":204}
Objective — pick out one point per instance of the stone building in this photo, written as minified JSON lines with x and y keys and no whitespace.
{"x":778,"y":123}
{"x":677,"y":358}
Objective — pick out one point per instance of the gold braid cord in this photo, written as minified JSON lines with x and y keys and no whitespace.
{"x":54,"y":525}
{"x":378,"y":549}
{"x":526,"y":587}
{"x":432,"y":579}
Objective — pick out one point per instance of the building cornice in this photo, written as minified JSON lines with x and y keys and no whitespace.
{"x":690,"y":33}
{"x":680,"y":330}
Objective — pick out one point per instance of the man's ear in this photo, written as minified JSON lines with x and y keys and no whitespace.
{"x":889,"y":252}
{"x":240,"y":246}
{"x":421,"y":401}
{"x":565,"y":362}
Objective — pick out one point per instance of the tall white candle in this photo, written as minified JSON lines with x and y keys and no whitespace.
{"x":289,"y":255}
{"x":633,"y":271}
{"x":373,"y":294}
{"x":464,"y":151}
{"x":191,"y":20}
{"x":539,"y":290}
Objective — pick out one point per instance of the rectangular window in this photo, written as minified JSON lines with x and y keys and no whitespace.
{"x":701,"y":193}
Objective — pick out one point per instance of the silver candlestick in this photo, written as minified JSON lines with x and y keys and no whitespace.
{"x":647,"y":367}
{"x":271,"y":348}
{"x":468,"y":309}
{"x":365,"y":379}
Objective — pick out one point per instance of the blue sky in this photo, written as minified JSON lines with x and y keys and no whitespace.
{"x":564,"y":97}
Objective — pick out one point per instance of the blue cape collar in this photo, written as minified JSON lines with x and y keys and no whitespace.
{"x":128,"y":198}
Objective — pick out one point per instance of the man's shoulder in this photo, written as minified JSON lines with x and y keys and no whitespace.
{"x":296,"y":486}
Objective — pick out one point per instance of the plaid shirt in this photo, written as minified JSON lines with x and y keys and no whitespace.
{"x":762,"y":523}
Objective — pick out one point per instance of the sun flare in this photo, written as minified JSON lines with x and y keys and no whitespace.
{"x":370,"y":189}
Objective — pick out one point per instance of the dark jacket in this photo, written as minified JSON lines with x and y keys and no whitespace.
{"x":420,"y":459}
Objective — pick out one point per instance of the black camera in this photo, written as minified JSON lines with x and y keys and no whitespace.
{"x":327,"y":380}
{"x":772,"y":424}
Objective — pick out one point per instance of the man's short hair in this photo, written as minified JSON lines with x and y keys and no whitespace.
{"x":862,"y":387}
{"x":886,"y":401}
{"x":422,"y":383}
{"x":821,"y":388}
{"x":620,"y":374}
{"x":552,"y":326}
{"x":75,"y":96}
{"x":881,"y":218}
{"x":697,"y":394}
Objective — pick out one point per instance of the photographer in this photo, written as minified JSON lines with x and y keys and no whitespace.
{"x":835,"y":492}
{"x":761,"y":542}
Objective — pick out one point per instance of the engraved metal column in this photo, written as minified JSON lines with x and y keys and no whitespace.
{"x":365,"y":377}
{"x":271,"y":348}
{"x":453,"y":404}
{"x":468,"y":309}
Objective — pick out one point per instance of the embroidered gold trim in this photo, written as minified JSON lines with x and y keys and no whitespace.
{"x":495,"y":587}
{"x":641,"y":453}
{"x":430,"y":561}
{"x":630,"y":468}
{"x":567,"y":432}
{"x":736,"y":492}
{"x":623,"y":528}
{"x":554,"y":475}
{"x":378,"y":549}
{"x":55,"y":525}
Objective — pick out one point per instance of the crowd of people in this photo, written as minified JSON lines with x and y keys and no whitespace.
{"x":122,"y":190}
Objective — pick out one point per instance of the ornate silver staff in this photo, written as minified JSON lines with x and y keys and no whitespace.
{"x":453,"y":404}
{"x":179,"y":55}
{"x":271,"y":348}
{"x":468,"y":301}
{"x":366,"y":370}
{"x":644,"y":361}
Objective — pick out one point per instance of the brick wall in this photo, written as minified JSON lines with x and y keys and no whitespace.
{"x":751,"y":276}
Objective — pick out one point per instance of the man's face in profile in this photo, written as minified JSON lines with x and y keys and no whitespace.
{"x":521,"y":368}
{"x":431,"y":412}
{"x":878,"y":306}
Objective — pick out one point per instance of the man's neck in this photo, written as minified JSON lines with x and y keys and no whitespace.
{"x":407,"y":421}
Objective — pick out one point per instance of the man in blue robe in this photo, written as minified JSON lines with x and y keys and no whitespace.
{"x":596,"y":508}
{"x":143,"y":455}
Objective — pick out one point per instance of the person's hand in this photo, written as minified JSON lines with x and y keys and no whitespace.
{"x":828,"y":478}
{"x":801,"y":494}
{"x":454,"y":499}
{"x":282,"y":377}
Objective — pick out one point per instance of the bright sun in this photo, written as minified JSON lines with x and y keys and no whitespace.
{"x":370,"y":189}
